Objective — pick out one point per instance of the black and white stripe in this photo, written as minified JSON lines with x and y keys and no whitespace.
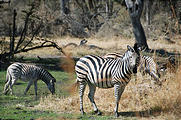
{"x":147,"y":65}
{"x":105,"y":73}
{"x":29,"y":73}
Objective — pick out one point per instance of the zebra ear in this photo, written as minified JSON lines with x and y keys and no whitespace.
{"x":53,"y":80}
{"x":136,"y":48}
{"x":130,"y":48}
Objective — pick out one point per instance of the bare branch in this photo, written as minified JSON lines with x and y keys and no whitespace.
{"x":23,"y":34}
{"x":35,"y":33}
{"x":43,"y":45}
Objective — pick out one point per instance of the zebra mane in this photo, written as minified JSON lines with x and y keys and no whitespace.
{"x":126,"y":54}
{"x":136,"y":48}
{"x":46,"y":76}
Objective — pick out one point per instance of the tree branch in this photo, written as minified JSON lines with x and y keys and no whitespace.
{"x":43,"y":45}
{"x":22,"y":38}
{"x":35,"y":33}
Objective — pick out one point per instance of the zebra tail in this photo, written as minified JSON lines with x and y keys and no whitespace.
{"x":156,"y":78}
{"x":7,"y":76}
{"x":73,"y":88}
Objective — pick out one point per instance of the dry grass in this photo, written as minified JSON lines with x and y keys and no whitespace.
{"x":108,"y":45}
{"x":113,"y":44}
{"x":139,"y":97}
{"x":143,"y":97}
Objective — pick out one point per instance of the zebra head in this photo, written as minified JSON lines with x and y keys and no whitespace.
{"x":134,"y":57}
{"x":51,"y":85}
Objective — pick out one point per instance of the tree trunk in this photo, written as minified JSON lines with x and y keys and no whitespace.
{"x":86,"y":10}
{"x":13,"y":36}
{"x":135,"y":8}
{"x":91,"y":6}
{"x":148,"y":7}
{"x":62,"y":6}
{"x":109,"y":8}
{"x":179,"y":15}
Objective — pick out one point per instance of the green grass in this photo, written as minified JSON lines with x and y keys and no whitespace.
{"x":18,"y":106}
{"x":10,"y":112}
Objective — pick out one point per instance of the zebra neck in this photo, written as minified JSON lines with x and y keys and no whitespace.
{"x":123,"y":69}
{"x":44,"y":76}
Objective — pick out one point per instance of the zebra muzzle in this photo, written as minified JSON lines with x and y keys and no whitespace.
{"x":135,"y":69}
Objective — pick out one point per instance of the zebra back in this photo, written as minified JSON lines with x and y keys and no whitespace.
{"x":147,"y":64}
{"x":113,"y":55}
{"x":105,"y":73}
{"x":28,"y":72}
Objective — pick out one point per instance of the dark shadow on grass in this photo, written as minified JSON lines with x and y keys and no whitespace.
{"x":146,"y":113}
{"x":162,"y":52}
{"x":54,"y":64}
{"x":18,"y":83}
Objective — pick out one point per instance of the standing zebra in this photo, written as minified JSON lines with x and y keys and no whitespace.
{"x":29,"y":73}
{"x":147,"y":65}
{"x":106,"y":73}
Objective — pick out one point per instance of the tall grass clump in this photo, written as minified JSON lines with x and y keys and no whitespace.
{"x":139,"y":97}
{"x":167,"y":98}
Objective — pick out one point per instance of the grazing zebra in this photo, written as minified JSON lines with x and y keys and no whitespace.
{"x":30,"y":73}
{"x":147,"y":65}
{"x":105,"y":73}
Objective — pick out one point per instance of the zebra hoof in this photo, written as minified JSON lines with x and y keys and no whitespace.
{"x":116,"y":115}
{"x":83,"y":113}
{"x":97,"y":112}
{"x":5,"y":92}
{"x":160,"y":83}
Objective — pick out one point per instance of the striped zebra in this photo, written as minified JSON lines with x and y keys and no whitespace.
{"x":29,"y":73}
{"x":99,"y":72}
{"x":147,"y":65}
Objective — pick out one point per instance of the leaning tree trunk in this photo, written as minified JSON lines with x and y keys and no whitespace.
{"x":179,"y":15}
{"x":135,"y":8}
{"x":12,"y":40}
{"x":62,"y":6}
{"x":148,"y":8}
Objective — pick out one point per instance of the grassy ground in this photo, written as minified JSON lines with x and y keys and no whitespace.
{"x":140,"y":100}
{"x":18,"y":106}
{"x":22,"y":107}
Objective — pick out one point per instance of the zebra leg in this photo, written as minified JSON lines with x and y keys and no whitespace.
{"x":8,"y":80}
{"x":35,"y":86}
{"x":135,"y":77}
{"x":118,"y":89}
{"x":92,"y":90}
{"x":156,"y":78}
{"x":6,"y":87}
{"x":12,"y":82}
{"x":28,"y":87}
{"x":82,"y":86}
